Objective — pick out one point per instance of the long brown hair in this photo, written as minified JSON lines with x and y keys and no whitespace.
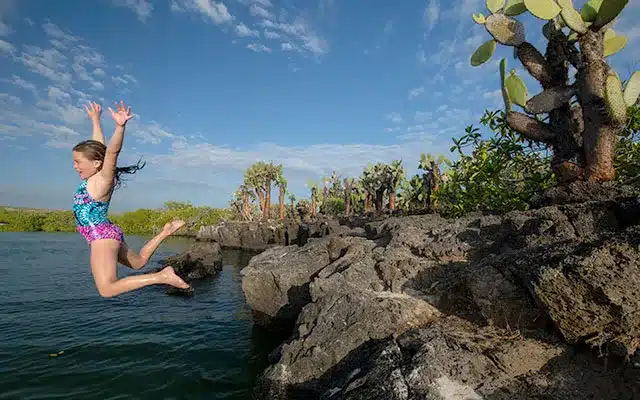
{"x":95,"y":151}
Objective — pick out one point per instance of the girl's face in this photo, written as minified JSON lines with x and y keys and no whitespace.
{"x":84,"y":167}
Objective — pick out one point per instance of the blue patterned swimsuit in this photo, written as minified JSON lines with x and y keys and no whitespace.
{"x":91,"y":217}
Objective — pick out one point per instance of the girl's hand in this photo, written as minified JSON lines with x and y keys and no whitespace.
{"x":94,"y":110}
{"x":122,"y":115}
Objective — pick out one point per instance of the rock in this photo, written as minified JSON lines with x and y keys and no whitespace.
{"x":481,"y":307}
{"x":590,"y":290}
{"x":334,"y":326}
{"x":201,"y":260}
{"x":276,"y":282}
{"x":258,"y":235}
{"x":261,"y":235}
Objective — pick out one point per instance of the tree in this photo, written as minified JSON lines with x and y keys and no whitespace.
{"x":395,"y":174}
{"x":283,"y":189}
{"x":580,"y":120}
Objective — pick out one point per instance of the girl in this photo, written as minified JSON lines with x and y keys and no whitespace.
{"x":96,"y":165}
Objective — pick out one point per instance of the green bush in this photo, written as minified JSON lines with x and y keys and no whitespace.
{"x":138,"y":222}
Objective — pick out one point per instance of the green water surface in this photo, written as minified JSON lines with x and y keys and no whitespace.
{"x":141,"y":345}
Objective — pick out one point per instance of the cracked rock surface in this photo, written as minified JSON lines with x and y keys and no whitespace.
{"x":536,"y":304}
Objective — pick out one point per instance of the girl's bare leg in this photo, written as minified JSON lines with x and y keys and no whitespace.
{"x":104,"y":258}
{"x":131,"y":259}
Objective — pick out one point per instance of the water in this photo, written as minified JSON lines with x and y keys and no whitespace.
{"x":140,"y":345}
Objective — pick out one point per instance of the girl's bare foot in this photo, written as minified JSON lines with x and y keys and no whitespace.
{"x":170,"y":277}
{"x":171,"y":227}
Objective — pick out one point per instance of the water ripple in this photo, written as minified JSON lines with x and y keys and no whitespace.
{"x":140,"y":345}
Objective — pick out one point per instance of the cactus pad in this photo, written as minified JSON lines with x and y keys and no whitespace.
{"x":608,"y":11}
{"x":614,"y":98}
{"x":632,"y":89}
{"x":549,"y":99}
{"x":590,"y":10}
{"x":495,"y":5}
{"x":514,"y":7}
{"x":506,"y":30}
{"x":505,"y":95}
{"x":479,"y":18}
{"x":543,"y":9}
{"x":483,"y":53}
{"x":613,"y":44}
{"x":571,"y":17}
{"x":516,"y":89}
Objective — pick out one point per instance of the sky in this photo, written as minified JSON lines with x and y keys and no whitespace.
{"x":314,"y":85}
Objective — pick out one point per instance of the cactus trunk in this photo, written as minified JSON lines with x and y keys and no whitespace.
{"x":379,"y":199}
{"x":245,"y":205}
{"x":267,"y":198}
{"x":599,"y":136}
{"x":347,"y":198}
{"x":281,"y":201}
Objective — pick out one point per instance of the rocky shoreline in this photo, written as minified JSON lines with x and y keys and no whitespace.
{"x":536,"y":304}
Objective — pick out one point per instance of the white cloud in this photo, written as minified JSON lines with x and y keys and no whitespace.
{"x":6,"y":48}
{"x":5,"y":30}
{"x":258,"y":48}
{"x":55,"y":109}
{"x":142,"y":8}
{"x":284,"y":25}
{"x":216,"y":12}
{"x":7,"y":98}
{"x":432,"y":13}
{"x":300,"y":33}
{"x":260,"y":12}
{"x":415,"y":92}
{"x":242,"y":30}
{"x":394,"y":117}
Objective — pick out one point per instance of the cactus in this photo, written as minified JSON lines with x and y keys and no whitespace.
{"x":506,"y":30}
{"x":590,"y":10}
{"x":614,"y":97}
{"x":632,"y":89}
{"x":608,"y":11}
{"x":571,"y":17}
{"x":613,"y":44}
{"x":514,"y":7}
{"x":550,"y":99}
{"x":516,"y":89}
{"x":543,"y":9}
{"x":483,"y":53}
{"x":479,"y":18}
{"x":503,"y":88}
{"x":495,"y":5}
{"x":581,"y":137}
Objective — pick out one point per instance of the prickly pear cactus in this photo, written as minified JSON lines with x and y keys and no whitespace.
{"x":583,"y":39}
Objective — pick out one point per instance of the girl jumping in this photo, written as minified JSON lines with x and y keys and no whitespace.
{"x":97,"y":166}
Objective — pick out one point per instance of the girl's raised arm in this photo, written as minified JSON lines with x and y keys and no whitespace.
{"x":94,"y":111}
{"x":121,"y":117}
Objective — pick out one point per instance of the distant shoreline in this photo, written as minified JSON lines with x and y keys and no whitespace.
{"x":139,"y":222}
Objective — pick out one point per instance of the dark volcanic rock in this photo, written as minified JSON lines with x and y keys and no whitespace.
{"x":261,"y":235}
{"x":200,"y":261}
{"x":258,"y":235}
{"x":481,"y":307}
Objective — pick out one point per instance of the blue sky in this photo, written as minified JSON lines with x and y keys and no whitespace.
{"x":316,"y":85}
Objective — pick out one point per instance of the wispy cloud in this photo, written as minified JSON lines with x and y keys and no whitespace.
{"x":142,"y":8}
{"x":281,"y":29}
{"x":74,"y":73}
{"x":431,"y":14}
{"x":382,"y":38}
{"x":415,"y":92}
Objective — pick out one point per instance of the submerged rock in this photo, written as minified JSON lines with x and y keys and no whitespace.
{"x":483,"y":307}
